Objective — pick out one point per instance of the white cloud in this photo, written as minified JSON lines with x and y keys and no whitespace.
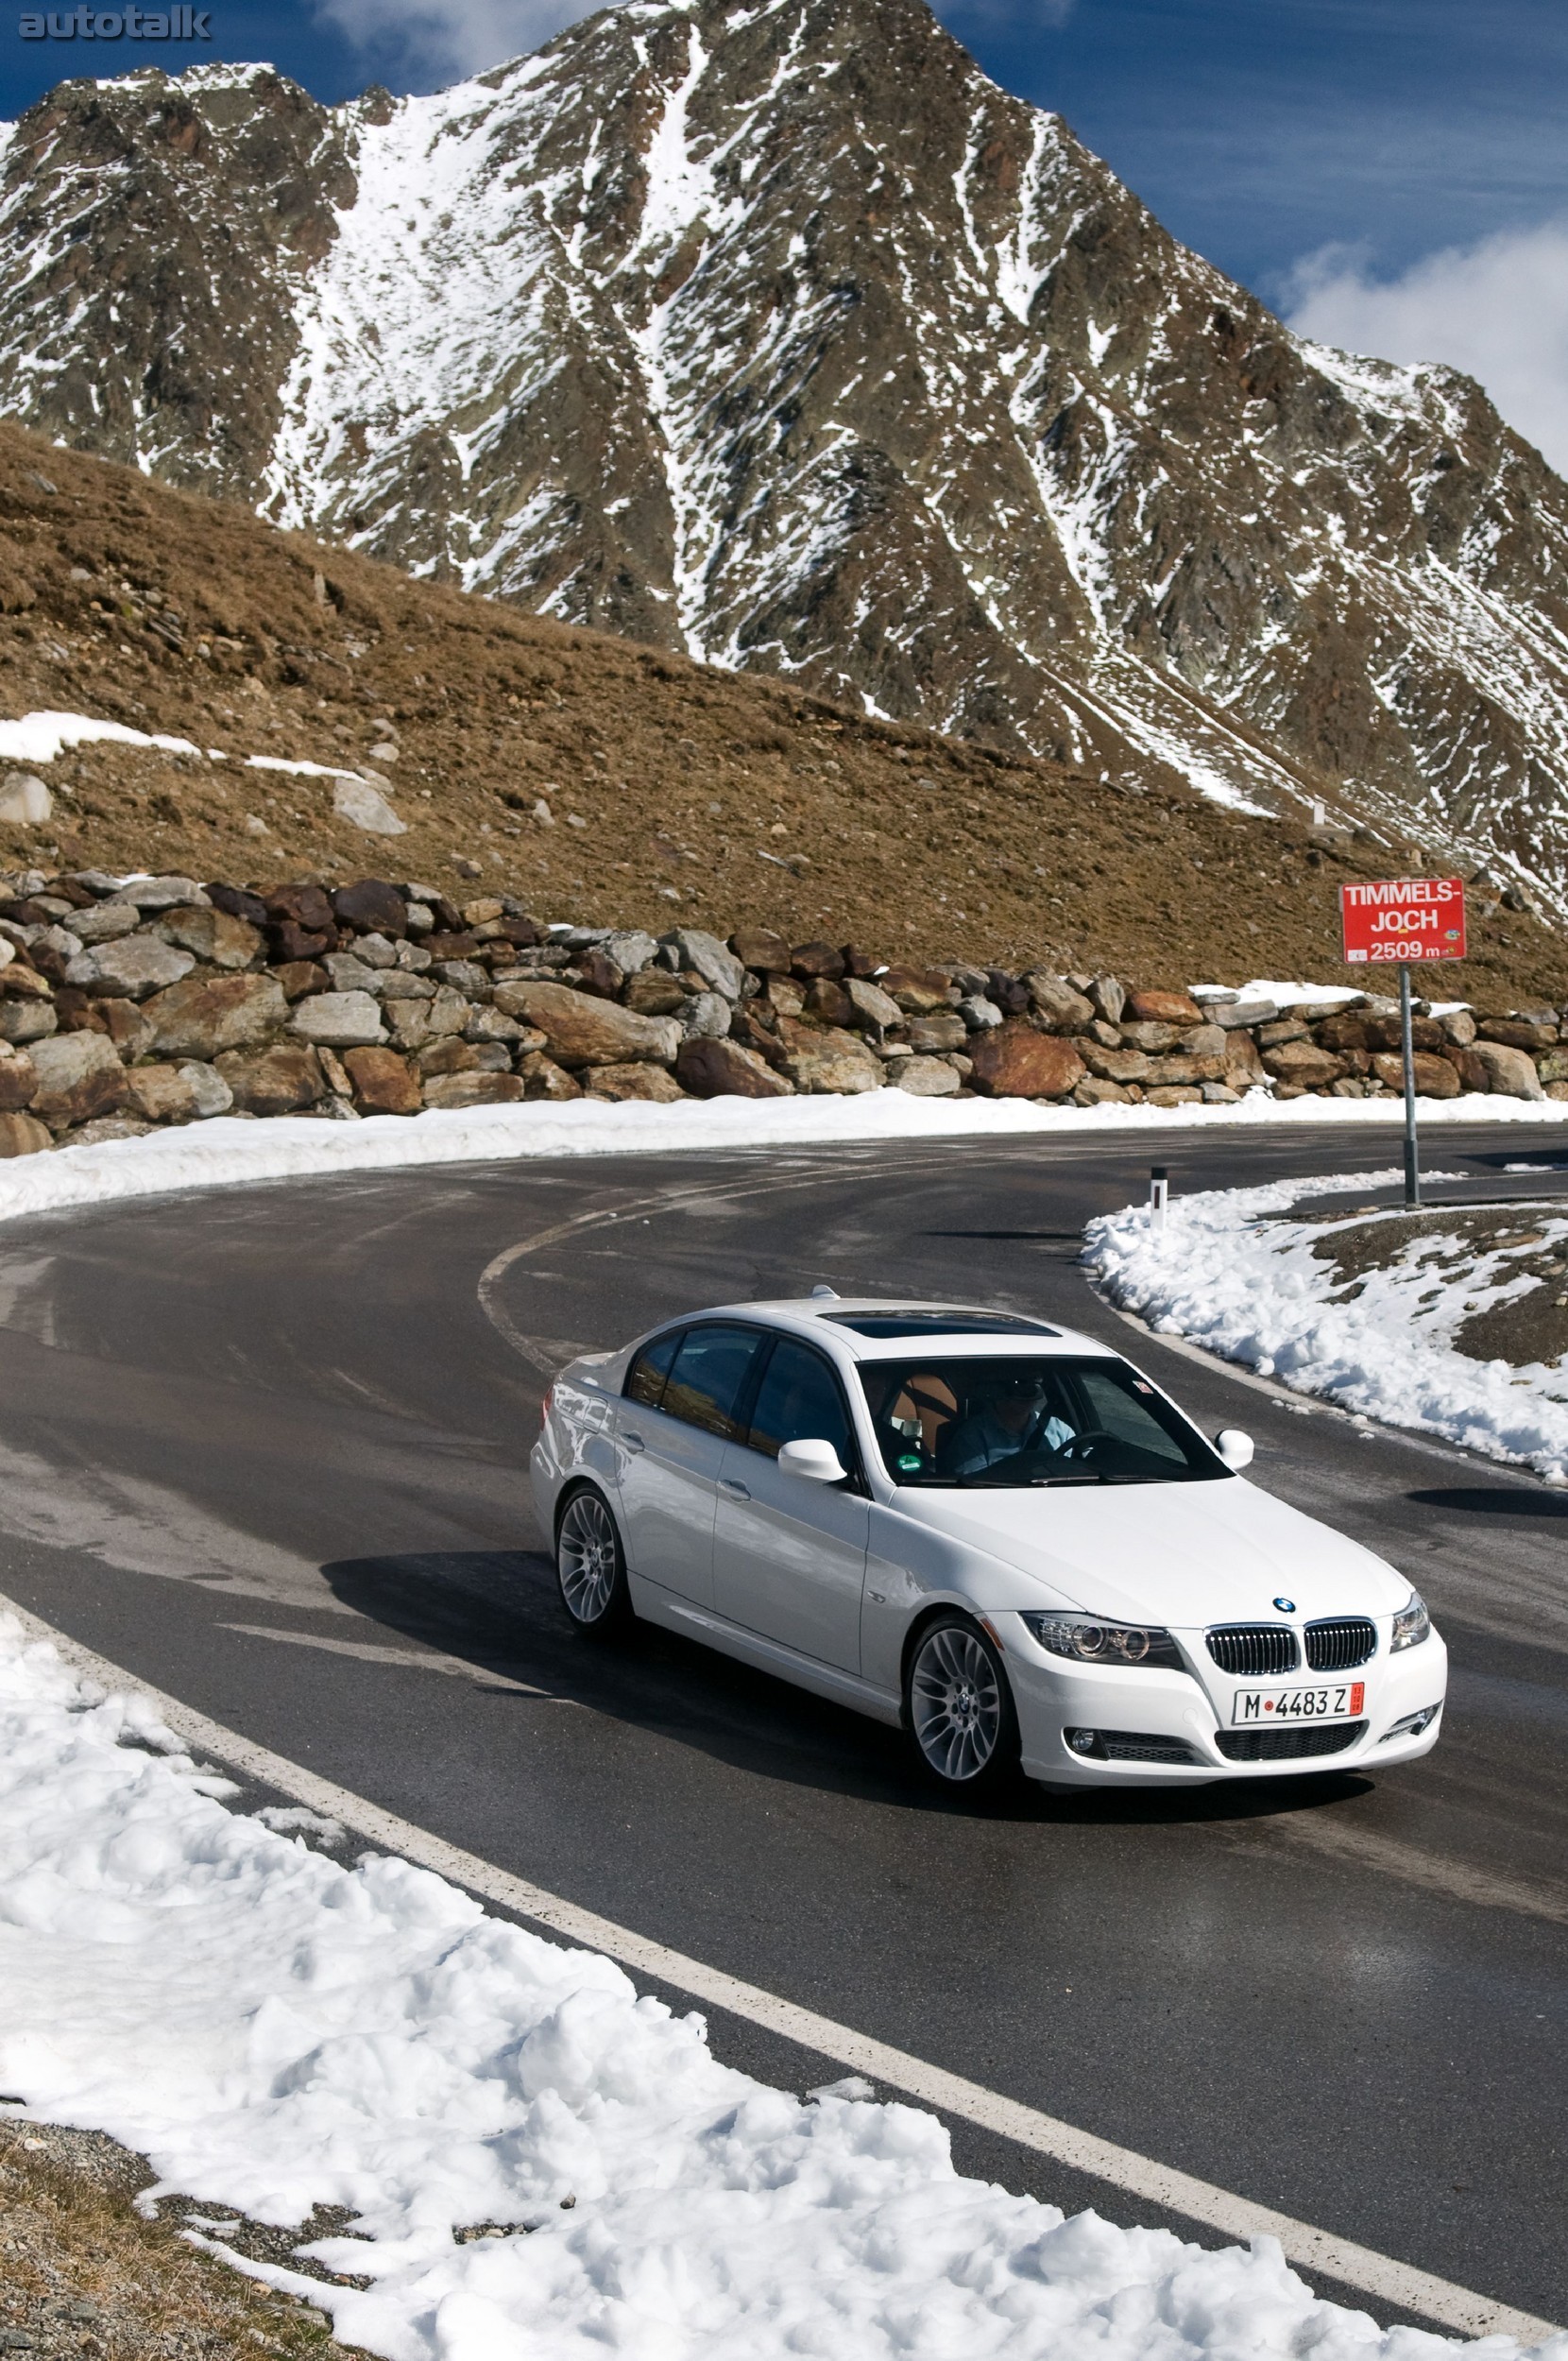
{"x":440,"y":40}
{"x":1498,"y":309}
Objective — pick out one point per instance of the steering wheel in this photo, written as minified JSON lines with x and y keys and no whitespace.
{"x":1077,"y":1445}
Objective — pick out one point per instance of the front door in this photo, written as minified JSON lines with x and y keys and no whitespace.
{"x":789,"y":1555}
{"x":673,"y":1424}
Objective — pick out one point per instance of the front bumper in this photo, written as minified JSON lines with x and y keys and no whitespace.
{"x":1179,"y":1713}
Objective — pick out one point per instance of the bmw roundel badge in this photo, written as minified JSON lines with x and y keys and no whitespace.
{"x":1286,"y":1607}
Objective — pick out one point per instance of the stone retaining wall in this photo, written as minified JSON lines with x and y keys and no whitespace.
{"x":128,"y":1006}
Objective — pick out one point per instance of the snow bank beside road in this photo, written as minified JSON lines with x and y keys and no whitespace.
{"x":275,"y":2030}
{"x":1226,"y":1273}
{"x":229,"y":1150}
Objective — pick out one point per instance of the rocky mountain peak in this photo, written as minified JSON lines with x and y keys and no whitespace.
{"x":781,"y":336}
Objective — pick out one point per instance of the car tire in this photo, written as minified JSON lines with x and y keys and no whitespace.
{"x":958,"y":1708}
{"x":590,"y":1566}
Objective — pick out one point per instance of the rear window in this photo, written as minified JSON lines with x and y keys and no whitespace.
{"x":648,"y":1371}
{"x":1022,"y":1423}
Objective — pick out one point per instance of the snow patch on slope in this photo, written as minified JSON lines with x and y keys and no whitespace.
{"x":40,"y":737}
{"x":428,"y":307}
{"x":680,"y":196}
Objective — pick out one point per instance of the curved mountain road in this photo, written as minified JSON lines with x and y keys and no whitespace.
{"x":266,"y":1448}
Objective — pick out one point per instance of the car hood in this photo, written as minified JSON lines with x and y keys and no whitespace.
{"x":1180,"y":1554}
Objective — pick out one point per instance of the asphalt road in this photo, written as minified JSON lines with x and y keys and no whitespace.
{"x":267,"y":1449}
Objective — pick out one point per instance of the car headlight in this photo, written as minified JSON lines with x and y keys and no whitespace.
{"x":1412,"y":1624}
{"x":1087,"y":1641}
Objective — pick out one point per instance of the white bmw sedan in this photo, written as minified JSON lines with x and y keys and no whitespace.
{"x":992,"y":1532}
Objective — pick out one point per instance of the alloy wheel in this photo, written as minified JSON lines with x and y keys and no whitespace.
{"x":955,"y":1703}
{"x":588,"y":1558}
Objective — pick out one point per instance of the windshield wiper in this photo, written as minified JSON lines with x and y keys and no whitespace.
{"x":1093,"y":1476}
{"x":984,"y":1481}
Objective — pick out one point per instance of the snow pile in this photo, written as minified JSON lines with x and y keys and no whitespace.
{"x":275,"y":2030}
{"x":231,"y":1149}
{"x":1225,"y":1275}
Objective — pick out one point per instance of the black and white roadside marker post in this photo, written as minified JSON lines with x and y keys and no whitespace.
{"x":1404,"y":919}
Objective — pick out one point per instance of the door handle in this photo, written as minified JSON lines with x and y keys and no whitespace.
{"x":736,"y":1491}
{"x":634,"y":1442}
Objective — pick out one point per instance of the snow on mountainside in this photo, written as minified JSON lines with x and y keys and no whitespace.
{"x":777,"y":334}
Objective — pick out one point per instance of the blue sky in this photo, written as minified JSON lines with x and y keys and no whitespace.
{"x":1261,"y":130}
{"x":1391,"y":172}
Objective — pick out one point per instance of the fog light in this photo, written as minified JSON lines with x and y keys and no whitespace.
{"x":1084,"y":1742}
{"x":1412,"y":1725}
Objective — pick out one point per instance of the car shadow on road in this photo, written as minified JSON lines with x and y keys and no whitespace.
{"x":1540,"y":1159}
{"x":1024,"y":1237}
{"x":500,"y":1612}
{"x":1495,"y":1500}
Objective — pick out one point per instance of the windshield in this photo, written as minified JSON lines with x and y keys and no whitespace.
{"x":1017,"y":1423}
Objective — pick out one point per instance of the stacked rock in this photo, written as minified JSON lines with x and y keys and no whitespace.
{"x":131,"y":1004}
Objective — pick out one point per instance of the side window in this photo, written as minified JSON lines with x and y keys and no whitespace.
{"x":799,"y":1400}
{"x":710,"y":1372}
{"x":648,"y":1371}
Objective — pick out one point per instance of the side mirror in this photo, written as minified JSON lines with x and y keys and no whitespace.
{"x":816,"y":1460}
{"x":1235,"y":1448}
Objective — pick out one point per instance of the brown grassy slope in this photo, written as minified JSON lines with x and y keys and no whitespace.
{"x":82,"y":2274}
{"x":729,"y":797}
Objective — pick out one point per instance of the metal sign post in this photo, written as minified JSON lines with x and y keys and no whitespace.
{"x":1387,"y":920}
{"x":1412,"y":1153}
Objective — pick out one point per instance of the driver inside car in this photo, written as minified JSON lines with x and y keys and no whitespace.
{"x":1009,"y":1417}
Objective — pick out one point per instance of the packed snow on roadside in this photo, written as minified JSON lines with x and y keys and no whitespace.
{"x":1227,"y":1272}
{"x":230,"y":1149}
{"x":275,"y":2029}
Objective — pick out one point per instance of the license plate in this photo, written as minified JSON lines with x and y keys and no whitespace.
{"x":1340,"y":1702}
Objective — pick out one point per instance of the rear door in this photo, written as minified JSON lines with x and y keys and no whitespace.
{"x":673,"y":1424}
{"x":789,"y":1555}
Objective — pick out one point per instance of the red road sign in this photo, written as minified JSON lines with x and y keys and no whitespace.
{"x":1403,"y":918}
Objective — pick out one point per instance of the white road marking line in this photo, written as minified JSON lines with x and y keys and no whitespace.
{"x":425,"y":1661}
{"x":1457,"y":1881}
{"x":1356,"y":2266}
{"x":548,"y":1355}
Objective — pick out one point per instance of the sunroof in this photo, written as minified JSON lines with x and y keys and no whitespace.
{"x":938,"y":1323}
